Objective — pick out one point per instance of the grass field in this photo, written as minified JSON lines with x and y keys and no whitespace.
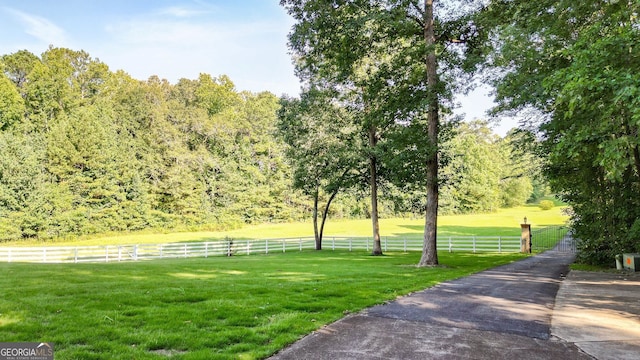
{"x":504,"y":222}
{"x":215,"y":308}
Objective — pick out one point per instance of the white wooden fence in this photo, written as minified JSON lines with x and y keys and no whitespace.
{"x":115,"y":253}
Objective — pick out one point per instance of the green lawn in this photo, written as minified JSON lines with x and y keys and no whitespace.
{"x":242,"y":307}
{"x":504,"y":222}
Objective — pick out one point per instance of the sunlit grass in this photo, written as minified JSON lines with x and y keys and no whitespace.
{"x":504,"y":222}
{"x":215,"y":308}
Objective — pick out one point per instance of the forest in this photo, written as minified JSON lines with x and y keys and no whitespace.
{"x":87,"y":150}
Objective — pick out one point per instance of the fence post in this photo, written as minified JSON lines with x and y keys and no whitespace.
{"x":499,"y":244}
{"x":367,"y":242}
{"x":266,"y":246}
{"x":75,"y":255}
{"x":248,"y":248}
{"x":206,"y":249}
{"x":350,"y":244}
{"x":284,"y":248}
{"x":9,"y":256}
{"x":474,"y":244}
{"x":119,"y":253}
{"x":135,"y":252}
{"x":106,"y":250}
{"x":44,"y":254}
{"x":405,"y":244}
{"x":525,"y":237}
{"x":385,"y":244}
{"x":450,"y":244}
{"x":300,"y":244}
{"x":333,"y":243}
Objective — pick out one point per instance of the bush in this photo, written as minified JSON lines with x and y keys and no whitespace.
{"x":546,"y":205}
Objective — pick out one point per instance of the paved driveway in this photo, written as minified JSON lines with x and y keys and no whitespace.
{"x":502,"y":313}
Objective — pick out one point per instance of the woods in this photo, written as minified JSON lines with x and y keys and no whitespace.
{"x":86,"y":150}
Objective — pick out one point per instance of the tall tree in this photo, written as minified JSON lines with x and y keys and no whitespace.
{"x":429,"y":249}
{"x":338,"y":60}
{"x":577,"y":63}
{"x":391,"y":57}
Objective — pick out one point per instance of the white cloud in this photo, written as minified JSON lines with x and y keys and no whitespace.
{"x":40,"y":28}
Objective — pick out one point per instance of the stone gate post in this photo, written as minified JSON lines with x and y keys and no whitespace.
{"x":525,"y":237}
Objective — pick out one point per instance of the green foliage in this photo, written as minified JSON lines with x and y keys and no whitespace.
{"x":323,"y":148}
{"x":546,"y":204}
{"x":11,"y":104}
{"x":483,"y":172}
{"x":225,"y":307}
{"x":577,"y":64}
{"x":89,"y":151}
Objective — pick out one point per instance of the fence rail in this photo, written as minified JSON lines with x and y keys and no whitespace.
{"x":118,"y":253}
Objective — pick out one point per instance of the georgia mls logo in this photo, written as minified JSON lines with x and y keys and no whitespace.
{"x":46,"y":347}
{"x":26,"y":351}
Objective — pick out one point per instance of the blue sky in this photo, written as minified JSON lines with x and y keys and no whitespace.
{"x":173,"y":39}
{"x":245,"y":39}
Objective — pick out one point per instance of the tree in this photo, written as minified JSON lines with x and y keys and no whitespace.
{"x":391,"y":57}
{"x":577,"y":64}
{"x":11,"y":104}
{"x":338,"y":62}
{"x":471,"y":178}
{"x":522,"y":169}
{"x":17,"y":66}
{"x":321,"y":139}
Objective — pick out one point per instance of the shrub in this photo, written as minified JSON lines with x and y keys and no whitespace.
{"x":546,"y":205}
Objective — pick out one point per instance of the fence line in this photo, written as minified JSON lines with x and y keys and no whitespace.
{"x":119,"y":253}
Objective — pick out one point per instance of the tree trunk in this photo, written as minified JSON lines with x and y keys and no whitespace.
{"x":325,"y":214}
{"x":429,"y":247}
{"x":632,"y":132}
{"x":318,"y":236}
{"x":377,"y":248}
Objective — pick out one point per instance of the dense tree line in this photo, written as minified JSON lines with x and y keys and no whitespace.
{"x":86,"y":150}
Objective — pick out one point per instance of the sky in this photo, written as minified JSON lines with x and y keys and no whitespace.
{"x":174,"y":39}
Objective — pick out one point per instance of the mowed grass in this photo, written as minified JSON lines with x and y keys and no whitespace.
{"x":504,"y":222}
{"x":242,"y":307}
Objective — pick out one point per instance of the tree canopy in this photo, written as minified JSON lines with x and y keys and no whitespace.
{"x":578,"y":65}
{"x":86,"y":150}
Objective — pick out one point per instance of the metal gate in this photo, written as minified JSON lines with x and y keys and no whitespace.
{"x":556,"y":238}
